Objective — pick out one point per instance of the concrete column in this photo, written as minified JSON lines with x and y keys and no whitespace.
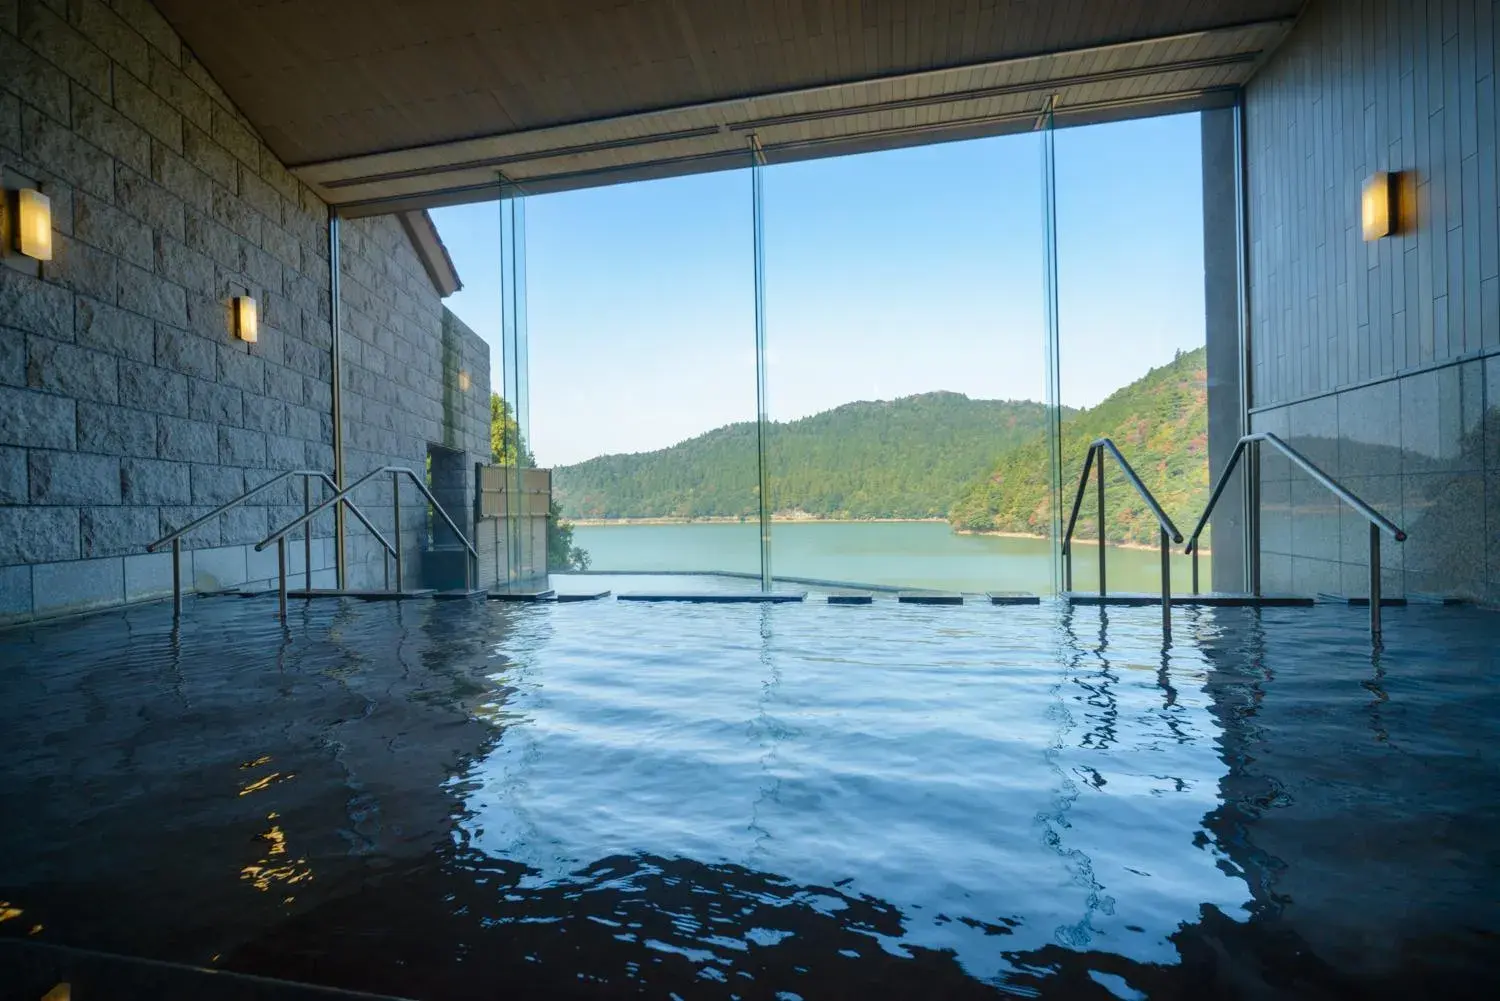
{"x":1221,"y":302}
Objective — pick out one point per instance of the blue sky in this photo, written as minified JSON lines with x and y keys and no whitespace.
{"x":886,"y":274}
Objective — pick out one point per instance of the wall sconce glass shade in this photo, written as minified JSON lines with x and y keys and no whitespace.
{"x":463,"y":382}
{"x":34,"y":224}
{"x":246,"y":320}
{"x":1379,"y":211}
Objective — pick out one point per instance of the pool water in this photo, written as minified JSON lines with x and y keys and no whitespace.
{"x":599,"y":799}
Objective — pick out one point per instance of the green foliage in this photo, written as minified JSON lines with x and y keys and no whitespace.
{"x":1160,"y":424}
{"x":907,"y":458}
{"x":561,"y":553}
{"x":505,"y":435}
{"x":505,"y":444}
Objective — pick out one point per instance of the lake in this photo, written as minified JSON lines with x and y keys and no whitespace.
{"x":918,"y":554}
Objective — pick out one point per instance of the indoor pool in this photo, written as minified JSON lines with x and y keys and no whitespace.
{"x":492,"y":800}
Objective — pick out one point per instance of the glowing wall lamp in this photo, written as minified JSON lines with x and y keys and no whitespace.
{"x":463,"y":382}
{"x":34,"y":224}
{"x":246,"y":322}
{"x":1380,"y":205}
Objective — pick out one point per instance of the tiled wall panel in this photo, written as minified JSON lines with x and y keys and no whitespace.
{"x":1378,"y":359}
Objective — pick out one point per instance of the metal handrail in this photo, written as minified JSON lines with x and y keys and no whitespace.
{"x":339,"y":495}
{"x":1169,"y":532}
{"x":279,"y":537}
{"x":175,"y":538}
{"x":1378,"y":522}
{"x":228,"y":505}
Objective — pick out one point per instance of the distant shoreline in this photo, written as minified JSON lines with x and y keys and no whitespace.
{"x":808,"y":519}
{"x":775,"y":519}
{"x":1082,"y":542}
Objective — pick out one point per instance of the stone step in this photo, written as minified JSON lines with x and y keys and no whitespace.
{"x":460,"y":594}
{"x":582,"y":595}
{"x":929,"y":598}
{"x":1215,"y":600}
{"x":518,"y":594}
{"x":362,"y":595}
{"x":718,"y":597}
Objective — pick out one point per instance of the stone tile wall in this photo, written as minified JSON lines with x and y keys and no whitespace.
{"x":127,"y":407}
{"x":403,"y":355}
{"x":1424,"y":450}
{"x":1379,"y":359}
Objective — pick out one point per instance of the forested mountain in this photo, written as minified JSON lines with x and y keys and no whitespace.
{"x":906,"y":458}
{"x":1159,"y":422}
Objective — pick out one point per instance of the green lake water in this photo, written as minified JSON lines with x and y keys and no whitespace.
{"x":904,"y":554}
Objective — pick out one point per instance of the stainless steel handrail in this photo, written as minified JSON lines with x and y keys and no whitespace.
{"x":1378,"y":522}
{"x":339,"y":495}
{"x":308,"y":475}
{"x":1169,"y":532}
{"x":279,"y":537}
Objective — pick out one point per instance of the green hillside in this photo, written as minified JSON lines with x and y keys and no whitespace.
{"x":906,"y":458}
{"x":1159,"y":422}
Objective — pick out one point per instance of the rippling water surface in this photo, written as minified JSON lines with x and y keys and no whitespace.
{"x":604,"y":798}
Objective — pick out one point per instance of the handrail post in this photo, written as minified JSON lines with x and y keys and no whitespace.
{"x":1195,"y":567}
{"x":177,"y":578}
{"x":307,"y":536}
{"x":396,"y":511}
{"x":281,"y":575}
{"x":1374,"y":583}
{"x":1101,"y":522}
{"x":1166,"y":581}
{"x":1068,"y":565}
{"x":1253,"y":476}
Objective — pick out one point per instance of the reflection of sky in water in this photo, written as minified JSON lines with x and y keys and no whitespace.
{"x":929,"y":758}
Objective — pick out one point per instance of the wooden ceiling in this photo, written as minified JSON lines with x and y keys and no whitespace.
{"x":398,"y":104}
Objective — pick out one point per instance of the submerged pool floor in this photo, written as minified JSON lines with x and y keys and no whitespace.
{"x":601,"y":799}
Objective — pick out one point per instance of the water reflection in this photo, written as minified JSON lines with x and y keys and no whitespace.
{"x":762,"y":801}
{"x":892,"y":772}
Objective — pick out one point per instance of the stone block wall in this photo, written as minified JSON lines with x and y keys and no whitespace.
{"x":127,"y":406}
{"x":403,"y":356}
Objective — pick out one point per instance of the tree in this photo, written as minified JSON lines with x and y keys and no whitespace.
{"x":505,"y":435}
{"x":506,"y":444}
{"x":561,"y":553}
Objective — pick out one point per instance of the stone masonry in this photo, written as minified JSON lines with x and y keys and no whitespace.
{"x":402,"y":358}
{"x":127,"y":406}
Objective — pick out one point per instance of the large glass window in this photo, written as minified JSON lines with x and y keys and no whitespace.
{"x":1130,"y":328}
{"x":905,"y":361}
{"x":642,"y":370}
{"x":896,"y":359}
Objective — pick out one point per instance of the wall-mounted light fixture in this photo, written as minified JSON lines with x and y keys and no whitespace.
{"x":246,"y":320}
{"x":34,"y":224}
{"x":463,"y":382}
{"x":1380,"y":205}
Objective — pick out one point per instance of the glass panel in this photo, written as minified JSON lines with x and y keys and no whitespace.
{"x":762,"y":420}
{"x":643,"y":370}
{"x":525,"y":553}
{"x":905,"y":361}
{"x":1057,"y":474}
{"x":1130,"y":330}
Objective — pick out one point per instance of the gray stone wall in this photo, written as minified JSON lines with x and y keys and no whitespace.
{"x":127,"y":406}
{"x":1379,"y":360}
{"x":403,"y":353}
